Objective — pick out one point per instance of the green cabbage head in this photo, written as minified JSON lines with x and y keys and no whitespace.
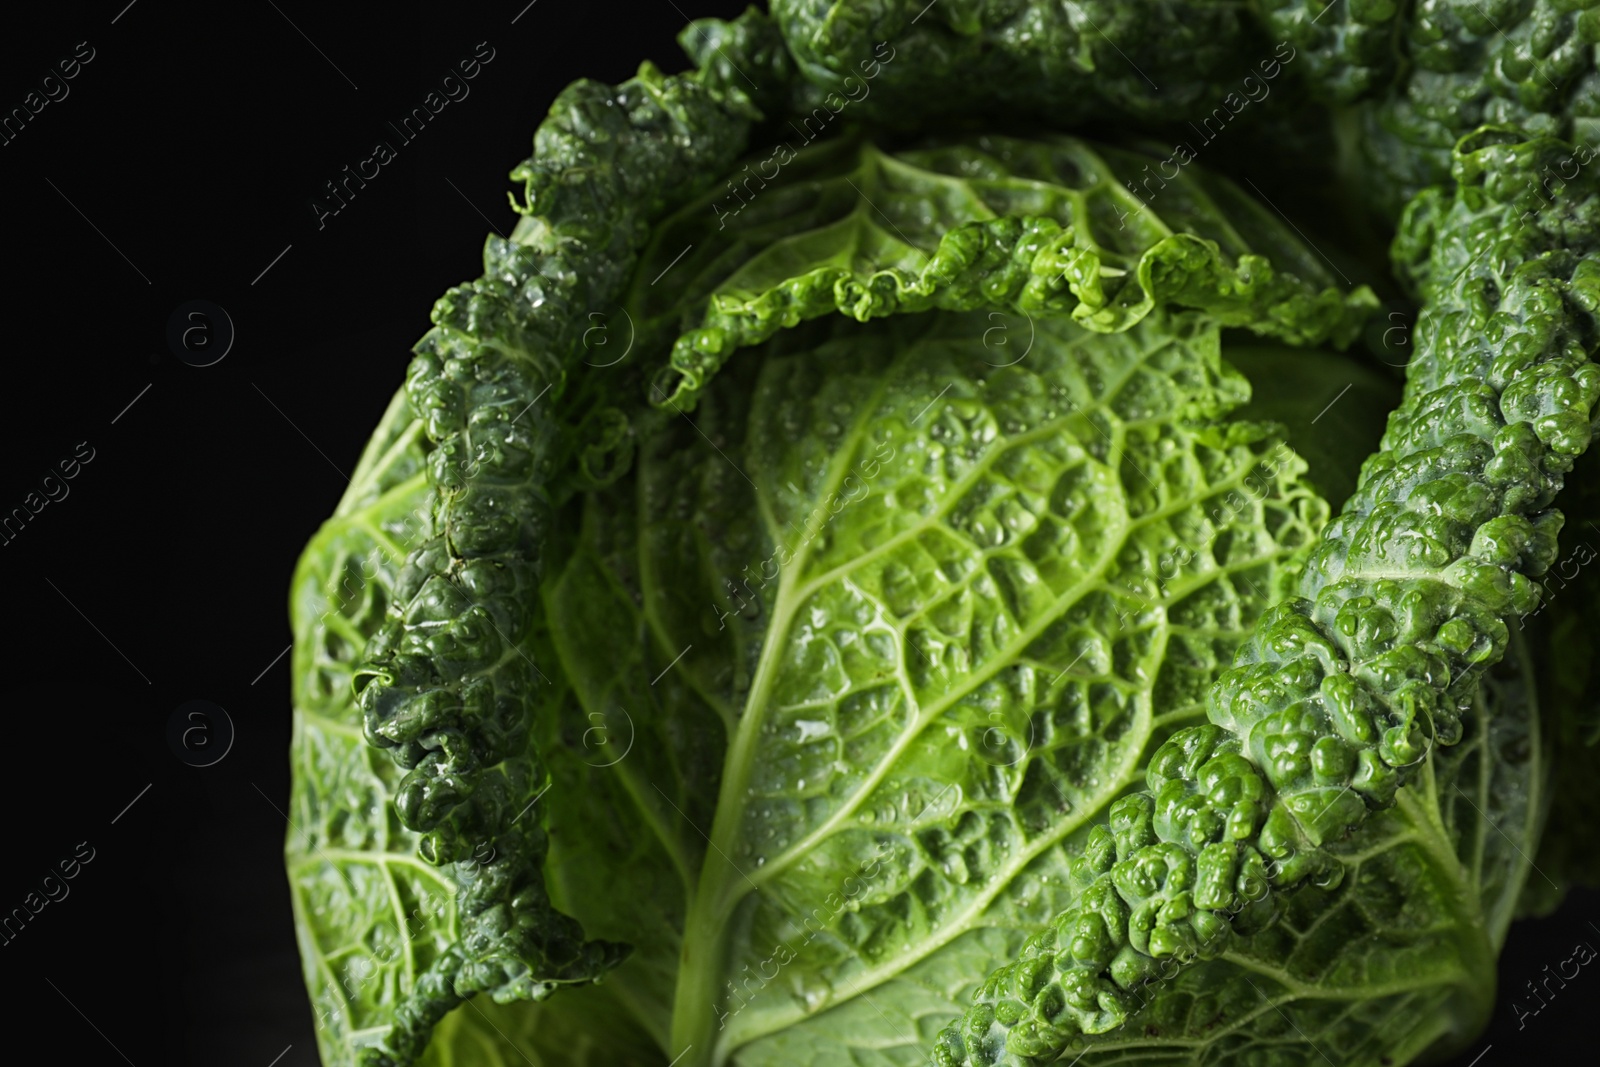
{"x":894,"y":564}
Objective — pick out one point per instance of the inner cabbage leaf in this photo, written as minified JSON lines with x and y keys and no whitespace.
{"x":888,"y":623}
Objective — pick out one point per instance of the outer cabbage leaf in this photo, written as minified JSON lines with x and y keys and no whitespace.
{"x":369,"y":915}
{"x":1349,"y":47}
{"x":1418,"y":76}
{"x":1398,"y":959}
{"x":448,"y":682}
{"x":1062,"y":64}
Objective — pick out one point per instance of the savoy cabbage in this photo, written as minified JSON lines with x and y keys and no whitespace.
{"x":890,"y":563}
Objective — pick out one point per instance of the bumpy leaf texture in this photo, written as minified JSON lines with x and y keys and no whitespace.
{"x":751,"y":611}
{"x":1410,"y":77}
{"x":1420,"y":74}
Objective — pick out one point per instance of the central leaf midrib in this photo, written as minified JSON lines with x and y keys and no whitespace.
{"x":706,"y":903}
{"x":1504,"y":909}
{"x":1472,"y":932}
{"x":1298,"y":990}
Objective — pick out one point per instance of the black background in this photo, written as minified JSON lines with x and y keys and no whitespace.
{"x":180,"y":166}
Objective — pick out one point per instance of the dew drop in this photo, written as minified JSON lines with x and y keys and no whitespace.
{"x":815,"y":996}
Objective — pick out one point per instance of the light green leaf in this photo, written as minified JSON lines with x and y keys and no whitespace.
{"x":370,"y":916}
{"x":967,"y":601}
